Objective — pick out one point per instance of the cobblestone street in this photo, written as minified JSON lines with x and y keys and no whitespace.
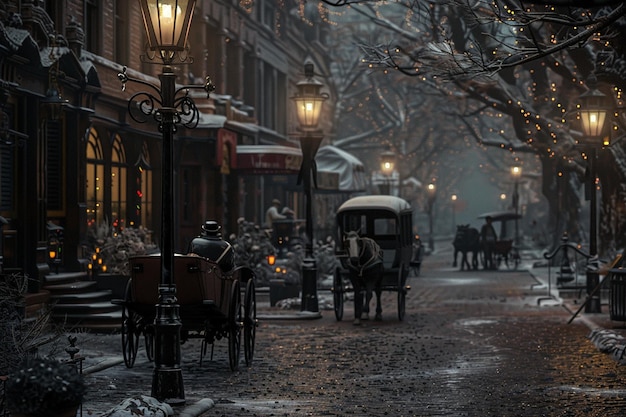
{"x":472,"y":344}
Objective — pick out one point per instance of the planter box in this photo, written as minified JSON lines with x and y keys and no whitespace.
{"x":114,"y":282}
{"x":279,"y":290}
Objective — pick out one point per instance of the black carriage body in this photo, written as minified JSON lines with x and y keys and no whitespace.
{"x":203,"y":292}
{"x":209,"y":303}
{"x":389,"y":221}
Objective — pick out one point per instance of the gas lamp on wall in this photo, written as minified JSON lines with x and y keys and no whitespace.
{"x":55,"y":245}
{"x":52,"y":104}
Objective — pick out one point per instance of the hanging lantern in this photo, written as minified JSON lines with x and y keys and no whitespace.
{"x":309,"y":100}
{"x":167,"y":24}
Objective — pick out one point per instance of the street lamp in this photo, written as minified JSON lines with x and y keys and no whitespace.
{"x":516,"y":172}
{"x":387,"y":165}
{"x":593,"y":109}
{"x":309,"y":100}
{"x":432,"y":193}
{"x":453,"y":199}
{"x":167,"y":25}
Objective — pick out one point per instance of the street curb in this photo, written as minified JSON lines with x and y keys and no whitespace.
{"x":605,"y":340}
{"x":303,"y":315}
{"x":105,"y":364}
{"x":198,"y":408}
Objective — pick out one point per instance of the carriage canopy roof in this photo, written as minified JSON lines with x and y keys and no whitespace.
{"x":498,"y":216}
{"x":390,"y":203}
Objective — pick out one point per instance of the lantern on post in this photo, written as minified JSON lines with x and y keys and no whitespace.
{"x":387,"y":165}
{"x":593,"y":109}
{"x":309,"y":100}
{"x":432,"y":194}
{"x":516,"y":172}
{"x":167,"y":24}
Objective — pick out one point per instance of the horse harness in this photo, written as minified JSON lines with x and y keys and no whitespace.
{"x":374,"y":255}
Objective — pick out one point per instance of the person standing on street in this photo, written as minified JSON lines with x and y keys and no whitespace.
{"x":488,"y":240}
{"x":272,"y":214}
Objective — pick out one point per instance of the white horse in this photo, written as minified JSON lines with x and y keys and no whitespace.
{"x":365,"y":262}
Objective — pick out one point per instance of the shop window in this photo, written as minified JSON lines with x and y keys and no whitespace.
{"x":121,"y":32}
{"x":93,"y":26}
{"x":118,"y":184}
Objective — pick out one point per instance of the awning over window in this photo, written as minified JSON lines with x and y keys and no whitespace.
{"x":268,"y":159}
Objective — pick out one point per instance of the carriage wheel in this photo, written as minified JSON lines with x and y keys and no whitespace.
{"x":250,"y":322}
{"x":130,"y":336}
{"x":338,"y":294}
{"x":234,"y":327}
{"x":401,"y":293}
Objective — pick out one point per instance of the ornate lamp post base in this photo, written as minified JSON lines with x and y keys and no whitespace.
{"x":167,"y":378}
{"x":309,"y":285}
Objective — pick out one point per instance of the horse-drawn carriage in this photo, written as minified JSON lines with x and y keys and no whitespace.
{"x":468,"y":240}
{"x":209,"y":302}
{"x":504,"y":252}
{"x":376,"y":251}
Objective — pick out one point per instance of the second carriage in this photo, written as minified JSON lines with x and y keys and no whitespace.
{"x":505,"y":250}
{"x":209,"y":300}
{"x":388,"y":221}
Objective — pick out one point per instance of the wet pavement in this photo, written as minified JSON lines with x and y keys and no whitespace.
{"x":473,"y":343}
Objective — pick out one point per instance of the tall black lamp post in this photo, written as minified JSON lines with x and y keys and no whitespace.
{"x":167,"y":25}
{"x":387,"y":165}
{"x":432,"y":193}
{"x":453,"y":200}
{"x":516,"y":172}
{"x":593,"y":110}
{"x":309,"y":100}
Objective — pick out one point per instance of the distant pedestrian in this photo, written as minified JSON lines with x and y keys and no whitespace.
{"x":272,"y":214}
{"x":488,"y":238}
{"x":211,"y":246}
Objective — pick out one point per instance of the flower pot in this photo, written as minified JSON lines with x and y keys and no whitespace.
{"x":66,"y":412}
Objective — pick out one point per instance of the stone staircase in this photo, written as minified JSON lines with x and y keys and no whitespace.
{"x":78,"y":302}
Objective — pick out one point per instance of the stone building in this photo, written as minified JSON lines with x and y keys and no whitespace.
{"x":72,"y":158}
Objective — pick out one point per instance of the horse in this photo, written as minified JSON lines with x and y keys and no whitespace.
{"x":466,"y":239}
{"x":365,"y":263}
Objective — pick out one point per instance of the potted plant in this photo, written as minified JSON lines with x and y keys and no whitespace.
{"x":112,"y":251}
{"x":44,"y":387}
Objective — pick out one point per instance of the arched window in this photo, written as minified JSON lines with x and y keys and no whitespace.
{"x":118,"y":184}
{"x":95,"y":179}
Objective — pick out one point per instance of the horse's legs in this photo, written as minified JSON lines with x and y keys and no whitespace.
{"x":464,"y":261}
{"x":456,"y":252}
{"x":365,"y":312}
{"x":475,"y":259}
{"x":379,"y":308}
{"x":358,"y":302}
